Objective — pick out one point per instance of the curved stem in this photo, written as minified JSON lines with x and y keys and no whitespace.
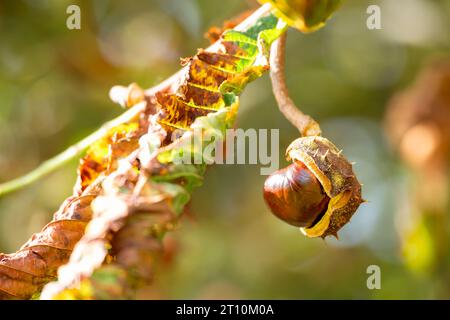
{"x":304,"y":123}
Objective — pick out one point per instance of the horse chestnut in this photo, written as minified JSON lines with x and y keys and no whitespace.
{"x":295,"y":195}
{"x":318,"y":192}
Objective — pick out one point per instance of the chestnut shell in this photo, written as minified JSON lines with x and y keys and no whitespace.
{"x":337,"y":179}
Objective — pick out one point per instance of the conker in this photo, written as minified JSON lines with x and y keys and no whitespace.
{"x":318,"y":192}
{"x":295,"y":195}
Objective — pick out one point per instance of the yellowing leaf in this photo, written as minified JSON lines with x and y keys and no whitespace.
{"x":305,"y":15}
{"x":104,"y":154}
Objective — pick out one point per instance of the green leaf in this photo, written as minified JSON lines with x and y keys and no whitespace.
{"x":305,"y":15}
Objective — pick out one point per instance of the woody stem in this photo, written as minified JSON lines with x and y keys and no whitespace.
{"x":304,"y":123}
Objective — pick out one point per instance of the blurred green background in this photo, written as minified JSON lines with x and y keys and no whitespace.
{"x":54,"y":85}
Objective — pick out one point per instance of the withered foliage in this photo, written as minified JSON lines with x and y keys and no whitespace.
{"x":106,"y":238}
{"x":104,"y":155}
{"x":214,"y":33}
{"x":25,"y":272}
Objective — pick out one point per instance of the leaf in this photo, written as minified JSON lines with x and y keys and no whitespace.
{"x":23,"y":273}
{"x":237,"y":84}
{"x":103,"y":155}
{"x":211,"y":75}
{"x":305,"y":15}
{"x":137,"y":202}
{"x":214,"y":33}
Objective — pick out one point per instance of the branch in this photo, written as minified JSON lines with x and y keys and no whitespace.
{"x":136,"y":193}
{"x":75,"y":150}
{"x":138,"y":206}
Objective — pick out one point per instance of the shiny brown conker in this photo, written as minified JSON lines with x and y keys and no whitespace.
{"x":295,"y":195}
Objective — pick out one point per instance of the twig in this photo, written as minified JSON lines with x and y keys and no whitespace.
{"x":304,"y":123}
{"x":73,"y":151}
